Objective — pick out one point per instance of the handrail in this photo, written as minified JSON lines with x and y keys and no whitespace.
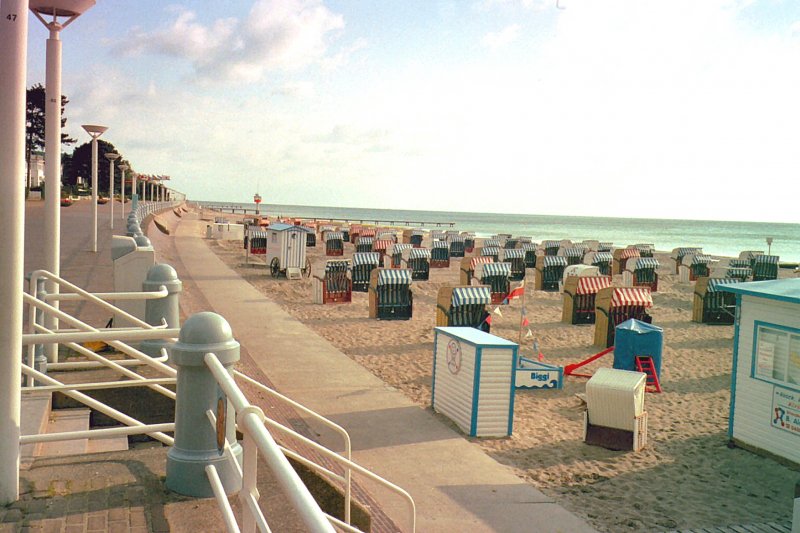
{"x":96,"y":433}
{"x":250,"y":419}
{"x":99,"y":335}
{"x":101,"y":385}
{"x":117,"y":296}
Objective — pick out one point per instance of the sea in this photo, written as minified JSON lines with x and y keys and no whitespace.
{"x":721,"y":238}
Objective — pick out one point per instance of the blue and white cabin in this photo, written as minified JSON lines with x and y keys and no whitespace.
{"x":286,"y":245}
{"x":765,"y":382}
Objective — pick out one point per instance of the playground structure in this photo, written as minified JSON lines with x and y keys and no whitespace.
{"x":467,"y":268}
{"x":440,"y":254}
{"x":418,"y":260}
{"x":496,"y":277}
{"x":463,"y":306}
{"x":532,"y":374}
{"x":579,"y":298}
{"x":516,"y":258}
{"x":363,"y":264}
{"x":549,"y":271}
{"x":332,"y":282}
{"x":390,"y":296}
{"x":615,"y":305}
{"x":711,"y":305}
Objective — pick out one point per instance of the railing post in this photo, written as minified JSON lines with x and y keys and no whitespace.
{"x":167,"y":308}
{"x":196,"y":442}
{"x":40,"y":359}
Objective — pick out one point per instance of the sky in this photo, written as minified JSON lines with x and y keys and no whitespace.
{"x":683,"y":109}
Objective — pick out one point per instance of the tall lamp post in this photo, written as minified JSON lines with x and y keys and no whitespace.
{"x":13,"y":61}
{"x":61,"y":14}
{"x":122,"y":168}
{"x":95,"y":131}
{"x":111,"y":156}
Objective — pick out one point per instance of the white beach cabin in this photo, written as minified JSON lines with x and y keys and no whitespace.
{"x":286,"y":249}
{"x":473,"y":380}
{"x":765,"y":382}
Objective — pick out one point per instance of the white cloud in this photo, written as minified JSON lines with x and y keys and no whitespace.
{"x":502,"y":38}
{"x":275,"y":35}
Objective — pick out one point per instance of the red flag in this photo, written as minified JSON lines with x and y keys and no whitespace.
{"x":516,"y":293}
{"x":525,"y":321}
{"x":488,"y":319}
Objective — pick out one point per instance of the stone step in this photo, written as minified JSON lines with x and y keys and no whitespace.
{"x":63,"y":420}
{"x":34,"y":416}
{"x":111,"y":444}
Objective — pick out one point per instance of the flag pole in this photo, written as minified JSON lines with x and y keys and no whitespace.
{"x":521,"y":312}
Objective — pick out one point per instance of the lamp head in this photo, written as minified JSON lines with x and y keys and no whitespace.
{"x":94,"y":130}
{"x":60,"y":8}
{"x":123,"y":167}
{"x":111,"y":156}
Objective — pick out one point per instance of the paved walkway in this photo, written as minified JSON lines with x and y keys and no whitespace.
{"x":455,"y":485}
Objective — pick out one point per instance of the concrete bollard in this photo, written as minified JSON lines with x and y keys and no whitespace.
{"x":166,"y":308}
{"x":142,"y":241}
{"x":195,"y":439}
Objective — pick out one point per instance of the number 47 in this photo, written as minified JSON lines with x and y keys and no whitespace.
{"x":12,"y":17}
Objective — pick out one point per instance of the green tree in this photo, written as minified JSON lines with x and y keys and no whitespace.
{"x":34,"y":121}
{"x":80,"y":164}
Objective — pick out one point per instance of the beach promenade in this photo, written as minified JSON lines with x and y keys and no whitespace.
{"x":455,"y":485}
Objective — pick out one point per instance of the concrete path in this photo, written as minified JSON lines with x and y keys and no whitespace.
{"x":455,"y":485}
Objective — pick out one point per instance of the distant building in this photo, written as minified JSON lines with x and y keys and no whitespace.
{"x":35,"y":170}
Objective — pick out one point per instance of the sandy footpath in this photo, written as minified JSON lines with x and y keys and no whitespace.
{"x":687,"y":477}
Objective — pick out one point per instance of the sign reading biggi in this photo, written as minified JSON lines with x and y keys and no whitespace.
{"x":786,"y":410}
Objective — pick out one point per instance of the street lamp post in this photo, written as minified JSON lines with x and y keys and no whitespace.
{"x":13,"y":59}
{"x":122,"y":168}
{"x":95,"y":131}
{"x":67,"y":11}
{"x":111,"y":156}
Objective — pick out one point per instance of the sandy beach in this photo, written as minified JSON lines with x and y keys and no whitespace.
{"x":686,"y":477}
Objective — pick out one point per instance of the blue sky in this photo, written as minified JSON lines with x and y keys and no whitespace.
{"x":632,"y":108}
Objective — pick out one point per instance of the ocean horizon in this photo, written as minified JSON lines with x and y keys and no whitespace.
{"x":723,"y":238}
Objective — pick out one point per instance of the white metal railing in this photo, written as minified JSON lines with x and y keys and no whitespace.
{"x":252,"y":422}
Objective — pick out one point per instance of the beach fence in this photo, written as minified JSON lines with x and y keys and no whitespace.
{"x":621,"y":256}
{"x":463,"y":307}
{"x":332,"y":282}
{"x":516,"y":258}
{"x":641,"y":272}
{"x":363,"y":264}
{"x":496,"y":277}
{"x":334,"y":243}
{"x":765,"y":267}
{"x":473,"y":380}
{"x":390,"y":296}
{"x":467,"y":268}
{"x":418,"y":260}
{"x":579,"y":298}
{"x":601,"y":260}
{"x":549,"y":272}
{"x":615,"y":305}
{"x":615,"y":417}
{"x":765,"y":380}
{"x":712,"y":305}
{"x":678,"y":254}
{"x":286,"y":251}
{"x":395,"y":253}
{"x":440,"y":254}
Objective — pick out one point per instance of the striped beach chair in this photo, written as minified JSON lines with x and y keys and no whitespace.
{"x":516,"y":257}
{"x":334,"y":243}
{"x":621,"y":257}
{"x":364,"y":244}
{"x":419,"y":261}
{"x":644,"y":272}
{"x":495,"y":276}
{"x":615,"y":305}
{"x":415,"y":237}
{"x":390,"y":296}
{"x":396,"y":253}
{"x":530,"y":254}
{"x":440,"y":254}
{"x":579,"y":298}
{"x":457,"y":247}
{"x":765,"y":267}
{"x":467,"y":268}
{"x":601,"y":260}
{"x":645,"y":250}
{"x":573,"y":254}
{"x":712,"y":305}
{"x":256,"y":242}
{"x":491,"y":251}
{"x":311,"y":236}
{"x":678,"y":254}
{"x":549,"y":272}
{"x":363,"y":264}
{"x":464,"y":307}
{"x":551,"y":247}
{"x":469,"y":241}
{"x":699,"y":266}
{"x":739,"y":269}
{"x":510,"y":243}
{"x":381,"y":246}
{"x":332,"y":282}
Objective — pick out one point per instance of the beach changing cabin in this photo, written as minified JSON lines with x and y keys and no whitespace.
{"x":467,"y":270}
{"x":678,"y":254}
{"x":530,"y":254}
{"x":765,"y":381}
{"x":334,"y":243}
{"x":712,"y":305}
{"x":473,"y":380}
{"x":765,"y":267}
{"x":418,"y":260}
{"x":615,"y":305}
{"x":463,"y":307}
{"x":549,"y":271}
{"x":332,"y":282}
{"x":495,"y":276}
{"x":620,"y":259}
{"x":641,"y":272}
{"x":396,"y":253}
{"x":286,"y":250}
{"x":364,"y":244}
{"x":601,"y":260}
{"x":615,"y":417}
{"x":390,"y":296}
{"x":440,"y":254}
{"x":516,"y":258}
{"x":579,"y":297}
{"x":363,"y":264}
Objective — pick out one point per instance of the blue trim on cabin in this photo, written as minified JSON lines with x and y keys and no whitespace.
{"x":772,"y":381}
{"x":435,"y":346}
{"x":735,"y":364}
{"x":782,"y":290}
{"x":513,"y":391}
{"x":476,"y":391}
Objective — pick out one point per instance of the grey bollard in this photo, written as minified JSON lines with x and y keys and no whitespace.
{"x":142,"y":241}
{"x":166,"y":308}
{"x":197,"y":392}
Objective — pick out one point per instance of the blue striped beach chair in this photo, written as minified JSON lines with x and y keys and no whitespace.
{"x":573,"y":254}
{"x":551,"y":247}
{"x":765,"y":267}
{"x":419,"y":261}
{"x":495,"y":276}
{"x":530,"y":254}
{"x":549,"y":272}
{"x":463,"y":306}
{"x":334,"y":243}
{"x":363,"y":264}
{"x":516,"y":258}
{"x":390,"y":296}
{"x":364,"y":244}
{"x":699,"y":266}
{"x":712,"y":305}
{"x":457,"y":247}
